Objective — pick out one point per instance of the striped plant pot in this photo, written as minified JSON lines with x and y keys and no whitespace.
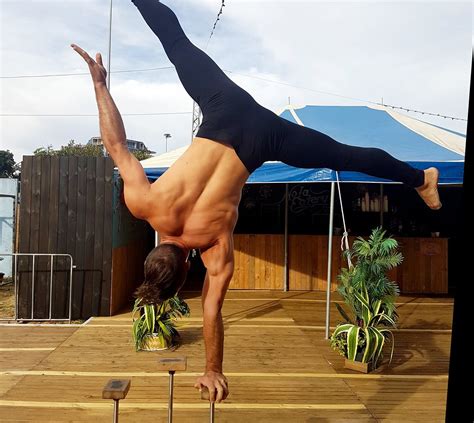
{"x":153,"y":343}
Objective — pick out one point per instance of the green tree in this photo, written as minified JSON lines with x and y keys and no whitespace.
{"x":71,"y":149}
{"x":45,"y":151}
{"x":142,"y":155}
{"x":8,"y":167}
{"x":88,"y":150}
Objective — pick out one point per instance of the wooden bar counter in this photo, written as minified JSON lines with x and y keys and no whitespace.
{"x":259,"y":263}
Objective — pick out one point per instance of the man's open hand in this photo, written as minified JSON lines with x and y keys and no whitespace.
{"x":216,"y":383}
{"x":98,"y":72}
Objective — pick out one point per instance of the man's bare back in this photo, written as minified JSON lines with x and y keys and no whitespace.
{"x":195,"y":202}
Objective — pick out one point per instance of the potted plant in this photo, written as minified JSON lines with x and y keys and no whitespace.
{"x":370,"y":296}
{"x":154,"y":325}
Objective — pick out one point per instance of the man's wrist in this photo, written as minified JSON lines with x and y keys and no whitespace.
{"x":215,"y":369}
{"x":100,"y":85}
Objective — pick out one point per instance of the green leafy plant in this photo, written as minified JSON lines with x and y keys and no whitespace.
{"x":373,"y":259}
{"x":151,"y":320}
{"x":363,"y":341}
{"x":370,"y":296}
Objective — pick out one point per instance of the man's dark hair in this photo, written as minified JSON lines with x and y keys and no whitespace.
{"x":165,"y":272}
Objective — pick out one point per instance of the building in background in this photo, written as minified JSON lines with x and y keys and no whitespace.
{"x":131,"y":144}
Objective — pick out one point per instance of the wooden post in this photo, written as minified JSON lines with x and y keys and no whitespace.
{"x":172,"y":364}
{"x":116,"y":389}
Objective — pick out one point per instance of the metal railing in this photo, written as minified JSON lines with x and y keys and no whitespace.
{"x":51,"y":271}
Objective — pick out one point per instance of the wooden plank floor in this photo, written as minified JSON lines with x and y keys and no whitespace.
{"x":279,"y":367}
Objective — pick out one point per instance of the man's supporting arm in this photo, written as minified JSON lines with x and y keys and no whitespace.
{"x":213,"y":328}
{"x":219,"y":261}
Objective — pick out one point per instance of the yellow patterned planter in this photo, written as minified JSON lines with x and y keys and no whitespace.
{"x":153,"y":343}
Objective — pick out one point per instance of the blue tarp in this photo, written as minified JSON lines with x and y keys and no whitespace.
{"x":366,"y":127}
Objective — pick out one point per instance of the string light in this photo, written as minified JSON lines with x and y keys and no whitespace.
{"x":423,"y":113}
{"x":215,"y":23}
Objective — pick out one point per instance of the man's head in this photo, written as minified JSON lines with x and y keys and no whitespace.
{"x":166,"y":268}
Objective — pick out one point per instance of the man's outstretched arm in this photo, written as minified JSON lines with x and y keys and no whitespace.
{"x":219,"y":262}
{"x":112,"y":131}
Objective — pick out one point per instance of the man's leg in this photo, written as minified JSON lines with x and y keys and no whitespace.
{"x":308,"y":148}
{"x":199,"y":74}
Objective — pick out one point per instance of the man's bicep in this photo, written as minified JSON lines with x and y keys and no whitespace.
{"x":219,"y":262}
{"x":136,"y":184}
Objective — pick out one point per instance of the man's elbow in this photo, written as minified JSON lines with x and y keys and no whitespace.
{"x":212,"y":307}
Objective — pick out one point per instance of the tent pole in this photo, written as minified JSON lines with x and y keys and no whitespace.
{"x":285,"y":278}
{"x":381,"y":203}
{"x":328,"y":286}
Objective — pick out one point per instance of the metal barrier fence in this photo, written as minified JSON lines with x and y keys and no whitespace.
{"x":15,"y":284}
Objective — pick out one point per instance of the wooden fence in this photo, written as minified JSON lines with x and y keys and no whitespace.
{"x":66,"y":207}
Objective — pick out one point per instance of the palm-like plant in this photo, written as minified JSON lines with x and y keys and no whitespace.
{"x":374,"y":258}
{"x":370,"y":297}
{"x":157,"y":321}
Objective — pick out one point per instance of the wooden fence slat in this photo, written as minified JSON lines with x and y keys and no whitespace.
{"x":90,"y":203}
{"x":98,"y":275}
{"x":61,"y":287}
{"x":42,"y":280}
{"x":107,"y":240}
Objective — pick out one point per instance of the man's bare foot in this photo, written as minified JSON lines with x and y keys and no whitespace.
{"x":429,"y":190}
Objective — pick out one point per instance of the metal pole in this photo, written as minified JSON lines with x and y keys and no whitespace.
{"x":211,"y":413}
{"x":285,"y":281}
{"x":170,"y":399}
{"x":116,"y":410}
{"x":15,"y":247}
{"x":381,"y":202}
{"x":15,"y":287}
{"x":51,"y":286}
{"x":196,"y":120}
{"x":328,"y":288}
{"x":70,"y":290}
{"x":15,"y":218}
{"x":110,"y":45}
{"x":33,"y":289}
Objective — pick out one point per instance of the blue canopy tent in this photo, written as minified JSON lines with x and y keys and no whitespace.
{"x":416,"y":142}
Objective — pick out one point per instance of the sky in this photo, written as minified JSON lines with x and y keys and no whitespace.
{"x":414,"y":54}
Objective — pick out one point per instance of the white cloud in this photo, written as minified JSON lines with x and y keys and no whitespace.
{"x":413,"y":54}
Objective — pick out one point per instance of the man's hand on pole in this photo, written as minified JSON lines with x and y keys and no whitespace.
{"x":216,"y":383}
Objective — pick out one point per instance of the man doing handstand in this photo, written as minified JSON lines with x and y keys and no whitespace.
{"x":194,"y":204}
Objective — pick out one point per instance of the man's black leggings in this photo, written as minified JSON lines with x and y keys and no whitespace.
{"x":232,"y":116}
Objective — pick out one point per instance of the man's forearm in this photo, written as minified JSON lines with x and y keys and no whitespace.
{"x":112,"y":130}
{"x":213,"y":330}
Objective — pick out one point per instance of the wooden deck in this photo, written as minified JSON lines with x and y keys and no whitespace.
{"x":279,"y":367}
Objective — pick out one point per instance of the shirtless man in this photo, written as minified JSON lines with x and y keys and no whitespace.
{"x":194,"y":204}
